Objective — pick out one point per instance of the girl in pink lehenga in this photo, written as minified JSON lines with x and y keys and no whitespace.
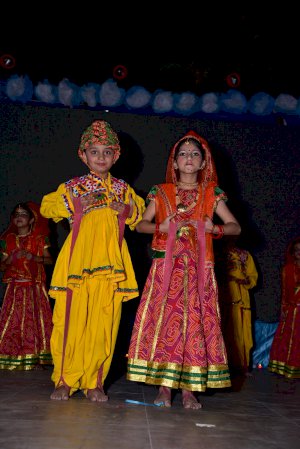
{"x":176,"y":340}
{"x":26,"y":315}
{"x":285,"y":349}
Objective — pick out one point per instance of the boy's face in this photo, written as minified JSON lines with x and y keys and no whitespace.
{"x":99,"y":158}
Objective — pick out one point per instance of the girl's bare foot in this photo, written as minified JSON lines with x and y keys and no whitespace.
{"x":96,"y":395}
{"x":61,"y":393}
{"x":164,"y":397}
{"x":189,"y":400}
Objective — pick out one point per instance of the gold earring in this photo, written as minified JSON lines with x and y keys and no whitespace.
{"x":202,"y":165}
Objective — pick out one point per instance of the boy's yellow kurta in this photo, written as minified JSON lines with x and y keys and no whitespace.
{"x":99,"y":273}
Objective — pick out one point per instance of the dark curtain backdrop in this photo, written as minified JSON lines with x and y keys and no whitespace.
{"x":258,"y":166}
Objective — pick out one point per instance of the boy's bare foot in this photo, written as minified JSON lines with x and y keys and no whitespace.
{"x":61,"y":393}
{"x":96,"y":395}
{"x":189,"y":400}
{"x":164,"y":397}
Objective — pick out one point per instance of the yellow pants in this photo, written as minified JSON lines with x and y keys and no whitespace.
{"x":92,"y":332}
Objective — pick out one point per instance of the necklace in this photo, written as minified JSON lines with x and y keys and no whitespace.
{"x":187,"y":184}
{"x":181,"y":208}
{"x":25,"y":235}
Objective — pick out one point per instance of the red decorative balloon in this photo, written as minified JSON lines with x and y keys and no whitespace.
{"x":7,"y":62}
{"x":120,"y":72}
{"x":233,"y":79}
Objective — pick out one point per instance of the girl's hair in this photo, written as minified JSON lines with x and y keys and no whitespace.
{"x":23,"y":206}
{"x":293,"y":244}
{"x":190,"y":140}
{"x":290,"y":253}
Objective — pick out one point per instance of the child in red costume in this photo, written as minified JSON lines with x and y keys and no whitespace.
{"x":26,"y":315}
{"x":285,"y":349}
{"x":176,"y":340}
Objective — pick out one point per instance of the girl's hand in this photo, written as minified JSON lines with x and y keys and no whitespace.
{"x":29,"y":256}
{"x":23,"y":253}
{"x":9,"y":259}
{"x":208,"y":225}
{"x":164,"y":225}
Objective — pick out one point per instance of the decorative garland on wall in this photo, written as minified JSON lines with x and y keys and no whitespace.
{"x":139,"y":100}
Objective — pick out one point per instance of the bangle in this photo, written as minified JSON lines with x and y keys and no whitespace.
{"x":220,"y":232}
{"x":157,"y":227}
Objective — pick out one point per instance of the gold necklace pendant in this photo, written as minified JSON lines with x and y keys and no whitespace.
{"x":181,"y":207}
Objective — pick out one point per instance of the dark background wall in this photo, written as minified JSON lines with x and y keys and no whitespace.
{"x":258,"y":166}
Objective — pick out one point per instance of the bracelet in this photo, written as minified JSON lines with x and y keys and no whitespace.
{"x":156,"y":227}
{"x":220,"y":233}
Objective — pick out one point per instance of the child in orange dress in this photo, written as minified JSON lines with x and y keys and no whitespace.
{"x":177,"y":340}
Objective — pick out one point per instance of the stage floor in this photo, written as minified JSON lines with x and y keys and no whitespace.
{"x":261,"y":412}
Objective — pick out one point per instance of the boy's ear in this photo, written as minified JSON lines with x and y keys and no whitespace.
{"x":83,"y":157}
{"x":116,"y":157}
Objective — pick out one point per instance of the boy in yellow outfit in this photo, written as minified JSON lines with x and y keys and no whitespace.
{"x":93,"y":274}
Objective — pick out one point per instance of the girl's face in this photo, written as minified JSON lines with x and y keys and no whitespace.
{"x":21,"y":219}
{"x":297,"y":251}
{"x":99,"y":158}
{"x":189,"y":159}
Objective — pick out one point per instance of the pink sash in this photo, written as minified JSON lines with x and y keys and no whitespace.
{"x":169,"y":254}
{"x":75,"y":230}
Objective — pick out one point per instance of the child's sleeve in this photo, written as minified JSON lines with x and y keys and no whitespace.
{"x":219,"y":195}
{"x":251,"y":272}
{"x":57,"y":205}
{"x":137,"y":211}
{"x":3,"y":251}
